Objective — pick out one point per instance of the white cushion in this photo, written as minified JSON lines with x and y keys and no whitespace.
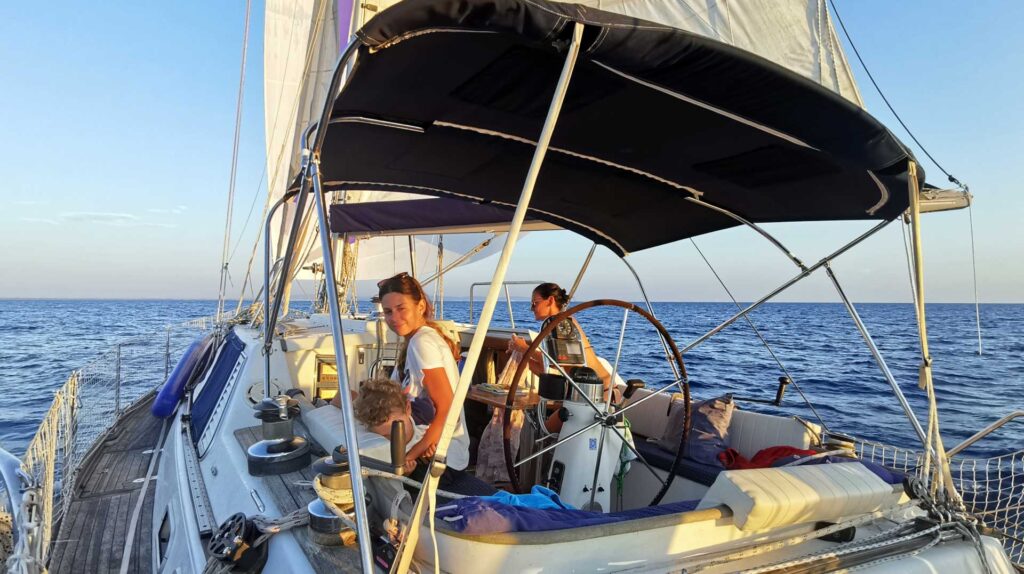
{"x":750,"y":432}
{"x":771,"y":497}
{"x":326,"y":426}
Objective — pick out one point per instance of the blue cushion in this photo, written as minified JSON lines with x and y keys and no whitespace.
{"x":476,"y":515}
{"x":688,"y":468}
{"x":709,"y":429}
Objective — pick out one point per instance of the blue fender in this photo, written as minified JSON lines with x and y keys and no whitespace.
{"x":170,"y":393}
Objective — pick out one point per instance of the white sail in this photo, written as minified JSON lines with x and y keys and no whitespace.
{"x":796,"y":34}
{"x":299,"y":53}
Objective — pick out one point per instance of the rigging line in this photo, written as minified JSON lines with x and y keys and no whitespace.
{"x":910,"y":271}
{"x":760,"y":336}
{"x":878,"y":89}
{"x":234,"y":162}
{"x":974,"y":271}
{"x":248,"y":218}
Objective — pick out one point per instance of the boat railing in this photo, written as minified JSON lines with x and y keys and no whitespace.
{"x":84,"y":409}
{"x":985,"y":432}
{"x":992,"y":488}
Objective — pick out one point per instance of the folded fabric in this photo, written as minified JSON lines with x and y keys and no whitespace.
{"x":733,"y":460}
{"x":483,"y":515}
{"x":709,"y":428}
{"x":539,"y":497}
{"x":782,"y":455}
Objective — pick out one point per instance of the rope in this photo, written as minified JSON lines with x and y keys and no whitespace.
{"x":761,"y":337}
{"x":272,"y":526}
{"x":126,"y":556}
{"x":779,"y":544}
{"x":844,"y":550}
{"x":974,"y":272}
{"x":234,"y":164}
{"x":878,"y":89}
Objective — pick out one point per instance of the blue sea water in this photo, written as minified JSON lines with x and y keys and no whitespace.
{"x":41,"y":341}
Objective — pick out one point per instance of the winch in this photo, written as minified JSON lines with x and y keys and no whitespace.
{"x":281,"y":450}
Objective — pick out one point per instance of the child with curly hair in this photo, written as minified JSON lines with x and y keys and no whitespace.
{"x":380,"y":403}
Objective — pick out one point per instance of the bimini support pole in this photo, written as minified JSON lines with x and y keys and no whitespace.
{"x":650,"y":309}
{"x":878,"y":357}
{"x":796,"y":279}
{"x":345,"y":397}
{"x":583,"y":271}
{"x":437,"y":466}
{"x":935,"y":446}
{"x":337,"y":337}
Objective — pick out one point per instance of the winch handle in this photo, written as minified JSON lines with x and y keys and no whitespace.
{"x":398,"y":446}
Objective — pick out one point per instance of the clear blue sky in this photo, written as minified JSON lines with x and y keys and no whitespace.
{"x":116,"y":122}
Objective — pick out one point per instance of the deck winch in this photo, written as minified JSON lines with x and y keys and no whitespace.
{"x":281,"y":450}
{"x":325,"y":527}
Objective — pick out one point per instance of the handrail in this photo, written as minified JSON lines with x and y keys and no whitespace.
{"x":985,"y":432}
{"x":507,"y":297}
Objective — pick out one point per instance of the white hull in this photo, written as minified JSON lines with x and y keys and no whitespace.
{"x":661,"y":544}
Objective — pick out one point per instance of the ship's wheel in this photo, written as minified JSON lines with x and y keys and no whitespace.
{"x":607,"y":418}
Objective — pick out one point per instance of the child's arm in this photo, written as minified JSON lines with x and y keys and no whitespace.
{"x":439,"y":389}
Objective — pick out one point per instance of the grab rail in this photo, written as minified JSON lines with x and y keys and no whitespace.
{"x":985,"y":432}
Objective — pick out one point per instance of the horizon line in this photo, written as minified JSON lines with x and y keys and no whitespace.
{"x":516,"y":299}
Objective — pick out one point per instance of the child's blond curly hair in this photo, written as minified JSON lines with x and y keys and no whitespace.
{"x":378,"y":399}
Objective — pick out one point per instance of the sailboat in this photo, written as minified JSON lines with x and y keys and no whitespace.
{"x":633,"y":124}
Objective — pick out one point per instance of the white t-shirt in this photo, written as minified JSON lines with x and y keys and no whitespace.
{"x":428,"y":350}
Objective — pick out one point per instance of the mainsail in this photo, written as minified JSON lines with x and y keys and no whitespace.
{"x":795,"y":34}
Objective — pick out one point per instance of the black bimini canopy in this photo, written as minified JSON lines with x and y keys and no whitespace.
{"x":447,"y":98}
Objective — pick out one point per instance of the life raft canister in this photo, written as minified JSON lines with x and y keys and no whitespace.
{"x":191,"y":365}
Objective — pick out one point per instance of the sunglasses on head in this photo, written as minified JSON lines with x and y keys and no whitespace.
{"x":383,"y":282}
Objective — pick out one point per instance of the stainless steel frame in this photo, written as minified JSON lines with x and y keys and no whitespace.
{"x":984,"y":432}
{"x":504,"y":285}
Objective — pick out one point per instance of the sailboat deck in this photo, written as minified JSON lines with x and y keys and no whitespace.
{"x":93,"y":534}
{"x":286,"y":493}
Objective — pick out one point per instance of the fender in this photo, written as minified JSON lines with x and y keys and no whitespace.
{"x":190,"y":366}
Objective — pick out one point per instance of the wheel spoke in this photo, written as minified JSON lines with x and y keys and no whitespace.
{"x":556,"y":443}
{"x":615,"y":367}
{"x":676,"y":383}
{"x":597,"y":466}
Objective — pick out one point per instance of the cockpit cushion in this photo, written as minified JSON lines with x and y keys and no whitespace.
{"x":688,"y":468}
{"x":766,"y":498}
{"x":476,"y":515}
{"x":709,"y":429}
{"x":326,"y":427}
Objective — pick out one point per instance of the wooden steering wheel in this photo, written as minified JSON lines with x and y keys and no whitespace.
{"x":607,"y":419}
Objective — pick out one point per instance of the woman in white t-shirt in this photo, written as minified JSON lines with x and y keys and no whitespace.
{"x":427,"y":369}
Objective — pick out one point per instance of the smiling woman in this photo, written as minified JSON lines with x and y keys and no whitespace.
{"x":426,"y":369}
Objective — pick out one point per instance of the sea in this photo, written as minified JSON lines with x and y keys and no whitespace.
{"x":816,"y":344}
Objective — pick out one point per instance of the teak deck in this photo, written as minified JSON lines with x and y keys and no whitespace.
{"x":92,"y":535}
{"x":288,"y":496}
